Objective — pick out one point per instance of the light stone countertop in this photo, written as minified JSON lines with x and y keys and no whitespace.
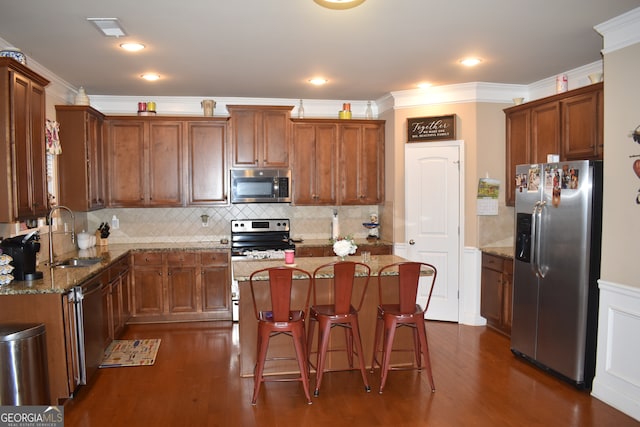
{"x":60,"y":280}
{"x":503,"y":251}
{"x":242,"y":269}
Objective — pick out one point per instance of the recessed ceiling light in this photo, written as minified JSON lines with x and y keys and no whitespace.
{"x":318,"y":81}
{"x":470,"y":62}
{"x":132,"y":47}
{"x":150,"y":77}
{"x":110,"y":27}
{"x":339,"y":4}
{"x":424,"y":85}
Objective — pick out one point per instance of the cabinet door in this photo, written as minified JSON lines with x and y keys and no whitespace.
{"x":207,"y":165}
{"x":361,"y":160}
{"x":491,"y":296}
{"x":181,"y":288}
{"x":507,"y":300}
{"x":216,"y":284}
{"x":148,"y":295}
{"x":216,"y":288}
{"x":580,"y":127}
{"x":545,"y":138}
{"x":40,"y":199}
{"x":314,"y":168}
{"x":30,"y":163}
{"x":165,"y":164}
{"x":126,"y":163}
{"x":244,"y":128}
{"x":95,"y":164}
{"x":109,"y":315}
{"x":275,"y":139}
{"x":125,"y":294}
{"x":518,"y":148}
{"x":81,"y":163}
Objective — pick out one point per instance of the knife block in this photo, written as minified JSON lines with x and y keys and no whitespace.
{"x":100,"y":241}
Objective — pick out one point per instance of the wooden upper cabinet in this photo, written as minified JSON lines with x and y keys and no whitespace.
{"x":581,"y":132}
{"x":145,"y":162}
{"x":23,"y":185}
{"x":126,"y":163}
{"x":545,"y":136}
{"x":260,"y":136}
{"x":165,"y":180}
{"x":518,"y":148}
{"x":81,"y":164}
{"x":207,"y":155}
{"x":361,"y":160}
{"x":569,"y":124}
{"x":315,"y":163}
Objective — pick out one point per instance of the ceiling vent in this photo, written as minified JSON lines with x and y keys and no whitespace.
{"x":110,"y":27}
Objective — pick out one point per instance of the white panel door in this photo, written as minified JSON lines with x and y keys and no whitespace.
{"x":433,"y":199}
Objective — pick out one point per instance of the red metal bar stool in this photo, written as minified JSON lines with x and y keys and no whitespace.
{"x":340,"y":308}
{"x":402,"y":310}
{"x":275,"y":315}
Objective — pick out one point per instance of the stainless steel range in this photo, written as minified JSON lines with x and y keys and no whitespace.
{"x":260,"y":238}
{"x":257,"y":239}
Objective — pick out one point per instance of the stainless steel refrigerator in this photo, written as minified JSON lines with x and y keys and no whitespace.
{"x":556,"y":266}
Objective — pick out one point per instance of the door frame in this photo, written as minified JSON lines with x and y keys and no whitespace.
{"x":404,"y":249}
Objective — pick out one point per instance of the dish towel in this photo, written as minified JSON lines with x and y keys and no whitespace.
{"x":53,"y":138}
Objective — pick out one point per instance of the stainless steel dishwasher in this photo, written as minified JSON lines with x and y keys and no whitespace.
{"x":91,"y":325}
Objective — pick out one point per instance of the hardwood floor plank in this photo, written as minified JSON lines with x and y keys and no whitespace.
{"x":195,"y":381}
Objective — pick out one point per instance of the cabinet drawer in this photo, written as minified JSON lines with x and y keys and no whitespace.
{"x":147,"y":258}
{"x":215,"y":258}
{"x":183,"y":258}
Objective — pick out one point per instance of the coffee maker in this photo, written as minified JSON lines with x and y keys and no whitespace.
{"x":23,"y":250}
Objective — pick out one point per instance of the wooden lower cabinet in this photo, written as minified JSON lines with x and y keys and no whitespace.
{"x":215,"y":272}
{"x":496,"y":292}
{"x":174,"y":286}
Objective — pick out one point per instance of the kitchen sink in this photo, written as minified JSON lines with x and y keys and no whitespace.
{"x":77,"y":262}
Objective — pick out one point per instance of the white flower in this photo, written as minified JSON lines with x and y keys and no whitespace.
{"x":344,"y":247}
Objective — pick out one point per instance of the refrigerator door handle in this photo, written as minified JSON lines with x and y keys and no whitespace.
{"x":536,"y":243}
{"x":534,"y":238}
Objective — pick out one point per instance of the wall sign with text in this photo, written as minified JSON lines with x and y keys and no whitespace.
{"x":431,"y":128}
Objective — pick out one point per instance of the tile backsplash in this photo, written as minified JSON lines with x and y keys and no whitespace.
{"x":150,"y":225}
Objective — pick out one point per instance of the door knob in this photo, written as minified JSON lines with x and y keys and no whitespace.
{"x":412,"y":242}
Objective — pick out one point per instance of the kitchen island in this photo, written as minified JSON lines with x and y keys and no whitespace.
{"x":281,"y":346}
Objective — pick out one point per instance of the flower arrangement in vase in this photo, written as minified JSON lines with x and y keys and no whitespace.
{"x":343,"y":246}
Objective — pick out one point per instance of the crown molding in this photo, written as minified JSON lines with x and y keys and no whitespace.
{"x":621,"y":31}
{"x":190,"y":105}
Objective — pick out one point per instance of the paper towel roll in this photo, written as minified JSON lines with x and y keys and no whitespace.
{"x":335,"y":227}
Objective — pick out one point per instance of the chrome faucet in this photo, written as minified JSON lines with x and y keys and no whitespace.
{"x":73,"y":229}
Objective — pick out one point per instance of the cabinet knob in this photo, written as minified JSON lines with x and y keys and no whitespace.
{"x":412,"y":242}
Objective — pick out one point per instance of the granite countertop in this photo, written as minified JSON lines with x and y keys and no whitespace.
{"x":242,"y":269}
{"x":327,"y":242}
{"x":503,"y":251}
{"x":60,"y":280}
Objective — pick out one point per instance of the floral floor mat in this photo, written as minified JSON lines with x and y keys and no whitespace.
{"x":131,"y":353}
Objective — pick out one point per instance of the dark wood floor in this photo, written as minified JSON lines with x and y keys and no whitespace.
{"x":195,"y":382}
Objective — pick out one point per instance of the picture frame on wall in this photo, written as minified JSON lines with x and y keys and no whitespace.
{"x":436,"y":128}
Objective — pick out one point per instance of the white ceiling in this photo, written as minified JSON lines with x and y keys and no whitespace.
{"x":270,"y":48}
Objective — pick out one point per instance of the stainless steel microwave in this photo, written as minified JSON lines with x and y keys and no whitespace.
{"x":260,"y":185}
